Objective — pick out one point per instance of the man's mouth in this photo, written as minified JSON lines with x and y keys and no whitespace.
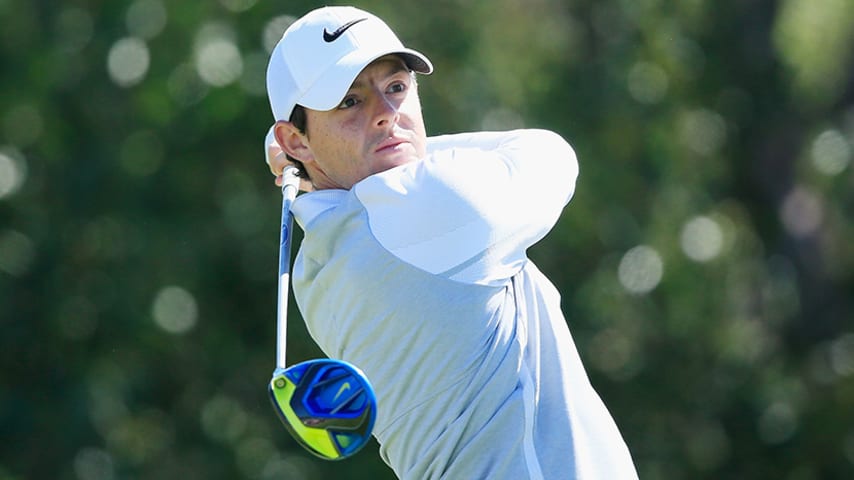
{"x":389,"y":144}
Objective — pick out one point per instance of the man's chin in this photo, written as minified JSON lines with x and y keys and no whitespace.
{"x":389,"y":160}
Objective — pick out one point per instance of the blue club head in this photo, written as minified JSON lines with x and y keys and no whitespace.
{"x":327,"y":405}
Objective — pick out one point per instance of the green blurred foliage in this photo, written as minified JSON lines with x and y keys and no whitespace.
{"x":706,"y":262}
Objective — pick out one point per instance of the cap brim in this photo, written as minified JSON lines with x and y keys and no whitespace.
{"x":329,"y":90}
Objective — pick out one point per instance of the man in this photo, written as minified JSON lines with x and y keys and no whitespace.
{"x":413,"y":264}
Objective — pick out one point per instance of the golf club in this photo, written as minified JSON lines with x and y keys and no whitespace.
{"x":327,"y":405}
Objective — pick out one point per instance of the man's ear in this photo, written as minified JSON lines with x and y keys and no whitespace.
{"x":292,"y":141}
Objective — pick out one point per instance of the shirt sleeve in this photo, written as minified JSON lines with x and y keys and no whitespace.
{"x":474,"y":205}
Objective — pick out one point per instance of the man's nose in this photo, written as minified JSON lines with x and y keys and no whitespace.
{"x":386,"y":110}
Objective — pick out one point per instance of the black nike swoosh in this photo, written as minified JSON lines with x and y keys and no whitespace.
{"x":331,"y":37}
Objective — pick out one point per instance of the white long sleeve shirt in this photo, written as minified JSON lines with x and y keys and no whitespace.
{"x":419,"y":276}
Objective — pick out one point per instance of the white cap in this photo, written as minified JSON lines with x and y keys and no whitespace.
{"x":322,"y":53}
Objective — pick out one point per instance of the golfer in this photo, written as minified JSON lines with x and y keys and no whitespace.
{"x":413,"y":264}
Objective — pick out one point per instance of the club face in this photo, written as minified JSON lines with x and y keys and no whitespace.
{"x":327,"y":405}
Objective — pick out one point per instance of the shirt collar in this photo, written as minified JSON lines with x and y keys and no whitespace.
{"x":309,"y":206}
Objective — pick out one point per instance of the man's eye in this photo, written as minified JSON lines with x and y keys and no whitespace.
{"x":397,"y":88}
{"x":347,"y":103}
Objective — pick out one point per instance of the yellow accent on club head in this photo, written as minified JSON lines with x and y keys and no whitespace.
{"x":317,"y":438}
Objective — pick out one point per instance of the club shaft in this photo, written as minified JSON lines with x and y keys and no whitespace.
{"x":290,"y":187}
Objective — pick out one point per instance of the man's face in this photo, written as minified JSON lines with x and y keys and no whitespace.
{"x":376,"y":127}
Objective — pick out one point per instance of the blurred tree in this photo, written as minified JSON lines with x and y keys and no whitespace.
{"x":705,"y":263}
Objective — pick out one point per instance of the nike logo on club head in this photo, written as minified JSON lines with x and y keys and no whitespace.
{"x":344,"y":388}
{"x":331,"y":37}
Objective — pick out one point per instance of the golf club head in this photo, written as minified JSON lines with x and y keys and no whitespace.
{"x":327,"y":405}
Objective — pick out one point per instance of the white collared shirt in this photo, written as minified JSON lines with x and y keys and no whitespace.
{"x":419,"y":276}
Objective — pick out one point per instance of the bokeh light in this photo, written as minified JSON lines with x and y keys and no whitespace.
{"x":702,"y":239}
{"x":842,"y":355}
{"x":91,"y":463}
{"x":140,"y":437}
{"x":185,"y":86}
{"x":848,"y":447}
{"x":745,"y":341}
{"x":614,"y":351}
{"x":640,"y":270}
{"x":175,"y":310}
{"x":801,"y":212}
{"x":13,"y":173}
{"x":146,"y":19}
{"x":777,"y":423}
{"x":831,"y":152}
{"x":223,"y":419}
{"x":703,"y":131}
{"x":274,"y":29}
{"x":253,"y":454}
{"x":286,"y":466}
{"x":647,"y":82}
{"x":75,"y":29}
{"x":254,"y":78}
{"x":17,"y":252}
{"x":128,"y":61}
{"x":241,"y":205}
{"x":218,"y":61}
{"x":238,"y":5}
{"x":813,"y":38}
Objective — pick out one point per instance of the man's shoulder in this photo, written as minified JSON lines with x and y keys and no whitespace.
{"x":489,"y":139}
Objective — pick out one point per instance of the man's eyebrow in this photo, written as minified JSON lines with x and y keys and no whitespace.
{"x":393,"y":69}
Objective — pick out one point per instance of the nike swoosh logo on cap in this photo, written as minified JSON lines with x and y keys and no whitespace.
{"x":331,"y":37}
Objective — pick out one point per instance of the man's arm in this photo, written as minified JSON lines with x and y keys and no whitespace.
{"x":475,"y":204}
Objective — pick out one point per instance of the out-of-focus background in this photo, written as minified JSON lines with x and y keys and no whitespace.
{"x":706,"y":262}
